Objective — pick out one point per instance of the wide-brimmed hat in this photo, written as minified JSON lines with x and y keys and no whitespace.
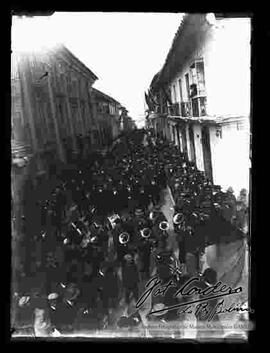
{"x":24,"y":300}
{"x":139,"y":212}
{"x":53,"y":296}
{"x":158,"y":306}
{"x":123,"y":321}
{"x":210,"y":276}
{"x":128,"y":257}
{"x":71,"y":292}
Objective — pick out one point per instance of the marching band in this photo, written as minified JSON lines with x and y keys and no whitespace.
{"x":102,"y":233}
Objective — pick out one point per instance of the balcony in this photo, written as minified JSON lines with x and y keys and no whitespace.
{"x":198,"y":106}
{"x":185,"y":109}
{"x":174,"y":109}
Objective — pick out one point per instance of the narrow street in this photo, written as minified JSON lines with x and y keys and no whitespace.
{"x":131,"y":167}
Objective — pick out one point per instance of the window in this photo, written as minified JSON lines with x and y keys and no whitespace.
{"x":202,"y":101}
{"x":193,"y":76}
{"x":180,"y":90}
{"x":74,"y":87}
{"x":83,"y":112}
{"x":75,"y":118}
{"x":197,"y":78}
{"x":81,"y":87}
{"x":61,"y":115}
{"x":195,"y":107}
{"x":69,"y":87}
{"x":193,"y":79}
{"x":200,"y":77}
{"x":61,"y":83}
{"x":187,"y":85}
{"x":106,"y":108}
{"x":174,"y":94}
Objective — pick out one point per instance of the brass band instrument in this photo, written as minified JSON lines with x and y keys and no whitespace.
{"x":178,"y":218}
{"x":124,"y":238}
{"x":145,"y":232}
{"x":164,"y":226}
{"x":112,"y":220}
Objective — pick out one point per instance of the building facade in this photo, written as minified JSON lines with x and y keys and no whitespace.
{"x":106,"y":112}
{"x":56,"y":118}
{"x":51,"y":104}
{"x":127,"y":123}
{"x":201,"y":96}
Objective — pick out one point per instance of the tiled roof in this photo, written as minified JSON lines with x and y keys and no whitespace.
{"x":65,"y":50}
{"x":105,"y":96}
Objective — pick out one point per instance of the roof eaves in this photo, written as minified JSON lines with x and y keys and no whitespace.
{"x":176,"y":36}
{"x":104,"y":95}
{"x":64,"y":49}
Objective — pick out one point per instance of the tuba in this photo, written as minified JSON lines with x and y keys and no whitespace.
{"x":112,"y":220}
{"x":124,"y":238}
{"x":164,"y":226}
{"x":178,"y":218}
{"x":145,"y":233}
{"x":152,"y":215}
{"x":76,"y":228}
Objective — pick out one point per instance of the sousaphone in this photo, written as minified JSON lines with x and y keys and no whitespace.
{"x":164,"y":226}
{"x":178,"y":218}
{"x":124,"y":238}
{"x":145,"y":233}
{"x":112,"y":220}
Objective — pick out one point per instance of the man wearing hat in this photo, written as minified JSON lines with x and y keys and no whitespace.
{"x":130,"y":278}
{"x":144,"y":247}
{"x":179,"y":229}
{"x":64,"y":308}
{"x":55,"y":312}
{"x":110,"y":287}
{"x":205,"y":310}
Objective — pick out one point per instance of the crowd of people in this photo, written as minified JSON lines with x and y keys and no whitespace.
{"x":101,"y":233}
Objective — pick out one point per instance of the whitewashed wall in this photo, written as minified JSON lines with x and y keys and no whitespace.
{"x":225,"y":48}
{"x":227,"y":68}
{"x":198,"y":146}
{"x":188,"y":142}
{"x":230,"y":157}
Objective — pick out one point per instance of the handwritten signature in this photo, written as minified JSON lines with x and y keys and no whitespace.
{"x":155,"y":288}
{"x":207,"y":312}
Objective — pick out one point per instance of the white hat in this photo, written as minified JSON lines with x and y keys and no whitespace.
{"x":24,"y":300}
{"x":159,"y":306}
{"x":53,"y":296}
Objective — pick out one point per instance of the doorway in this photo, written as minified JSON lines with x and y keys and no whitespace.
{"x":178,"y":138}
{"x":184,"y":139}
{"x":192,"y":146}
{"x":207,"y":153}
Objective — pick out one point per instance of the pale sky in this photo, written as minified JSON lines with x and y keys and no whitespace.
{"x":125,"y":50}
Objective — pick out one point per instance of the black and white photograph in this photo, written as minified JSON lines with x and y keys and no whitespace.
{"x":131,"y":166}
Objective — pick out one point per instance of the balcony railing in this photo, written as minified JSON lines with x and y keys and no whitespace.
{"x":199,"y":106}
{"x":185,"y":109}
{"x":174,"y":109}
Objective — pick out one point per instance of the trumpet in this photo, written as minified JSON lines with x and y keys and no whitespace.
{"x":93,"y":239}
{"x":151,"y":216}
{"x":112,"y":220}
{"x":154,"y":214}
{"x":164,"y":226}
{"x":124,"y":238}
{"x":76,"y":228}
{"x":178,"y":218}
{"x":145,"y":232}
